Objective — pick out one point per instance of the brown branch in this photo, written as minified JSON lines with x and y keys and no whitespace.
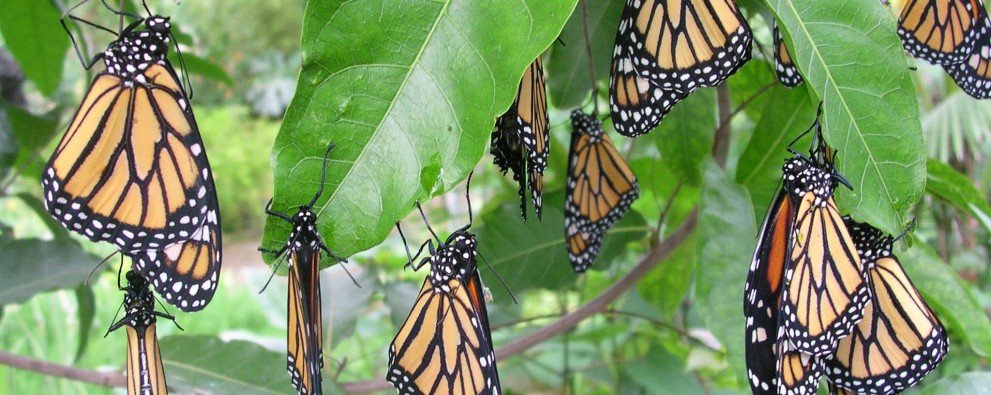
{"x":657,"y":253}
{"x":106,"y":379}
{"x":720,"y":143}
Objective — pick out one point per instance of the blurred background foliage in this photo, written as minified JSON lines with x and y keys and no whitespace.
{"x":678,"y":332}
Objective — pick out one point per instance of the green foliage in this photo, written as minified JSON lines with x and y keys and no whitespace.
{"x":393,"y":146}
{"x":957,"y":190}
{"x":568,"y":62}
{"x":851,"y":58}
{"x":39,"y":50}
{"x":26,"y":272}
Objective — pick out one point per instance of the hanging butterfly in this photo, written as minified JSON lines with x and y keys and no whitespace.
{"x":521,"y":140}
{"x":900,"y":340}
{"x":445,"y":345}
{"x":784,"y":65}
{"x":973,"y":75}
{"x":825,"y":289}
{"x":305,"y":326}
{"x":131,"y":169}
{"x":600,"y":189}
{"x":145,"y":373}
{"x":676,"y":47}
{"x":942,"y":32}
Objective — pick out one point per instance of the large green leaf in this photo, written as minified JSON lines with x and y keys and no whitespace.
{"x":409,"y":92}
{"x":852,"y":59}
{"x":235,"y":367}
{"x":533,"y":254}
{"x":568,"y":78}
{"x":687,"y":135}
{"x":955,"y":188}
{"x":31,"y":266}
{"x":28,"y":33}
{"x":726,"y":235}
{"x":976,"y":383}
{"x":948,"y":296}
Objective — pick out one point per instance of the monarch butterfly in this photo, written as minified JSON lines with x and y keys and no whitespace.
{"x":131,"y":169}
{"x":675,"y":47}
{"x":784,"y":65}
{"x":900,"y":340}
{"x":773,"y":365}
{"x":145,"y":373}
{"x":521,"y":139}
{"x":445,"y":345}
{"x":941,"y":31}
{"x":305,"y":325}
{"x":600,"y":189}
{"x":973,"y":75}
{"x":825,"y":289}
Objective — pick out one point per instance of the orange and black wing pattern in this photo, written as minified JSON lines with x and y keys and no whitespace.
{"x":798,"y":373}
{"x":305,"y":325}
{"x":973,"y":75}
{"x":784,"y":65}
{"x":600,"y":189}
{"x":145,"y":372}
{"x":445,"y":345}
{"x":131,"y":168}
{"x":900,"y":340}
{"x":825,"y":290}
{"x":637,"y":103}
{"x":942,"y":32}
{"x":521,"y":139}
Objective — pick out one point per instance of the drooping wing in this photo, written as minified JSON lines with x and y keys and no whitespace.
{"x":942,"y":31}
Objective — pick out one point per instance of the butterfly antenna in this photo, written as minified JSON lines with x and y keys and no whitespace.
{"x":278,"y":264}
{"x":468,"y":199}
{"x":424,"y":216}
{"x":323,"y":176}
{"x":92,"y":272}
{"x":501,"y":280}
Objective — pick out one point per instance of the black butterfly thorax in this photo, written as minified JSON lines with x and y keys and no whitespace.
{"x":802,"y":176}
{"x":587,"y":125}
{"x":139,"y":302}
{"x":455,"y":258}
{"x":871,"y":243}
{"x":304,"y":240}
{"x":131,"y":54}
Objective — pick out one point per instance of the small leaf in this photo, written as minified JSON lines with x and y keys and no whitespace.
{"x":38,"y":47}
{"x":946,"y":183}
{"x":662,"y":373}
{"x":972,"y":383}
{"x":36,"y":205}
{"x":410,"y":118}
{"x":202,"y":67}
{"x":666,"y":287}
{"x":533,"y":254}
{"x":726,"y":239}
{"x":235,"y":367}
{"x":948,"y":296}
{"x":87,"y":310}
{"x":755,"y":84}
{"x":31,"y":266}
{"x":851,"y":57}
{"x":687,"y":135}
{"x":33,"y":132}
{"x":568,"y":79}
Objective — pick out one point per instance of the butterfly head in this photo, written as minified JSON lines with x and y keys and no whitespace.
{"x":871,"y":243}
{"x":304,"y":225}
{"x":586,"y":124}
{"x":455,"y":259}
{"x":802,"y":176}
{"x":139,"y":302}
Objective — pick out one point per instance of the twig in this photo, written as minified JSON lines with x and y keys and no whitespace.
{"x":658,"y":252}
{"x":106,"y":379}
{"x":591,"y":64}
{"x":720,"y":143}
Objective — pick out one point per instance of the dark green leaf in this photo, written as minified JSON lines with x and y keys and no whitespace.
{"x":31,"y":33}
{"x":968,"y":383}
{"x":35,"y":204}
{"x":850,"y":55}
{"x":8,"y":143}
{"x":786,"y":114}
{"x":87,"y":310}
{"x":686,"y":135}
{"x":662,"y":373}
{"x":343,"y":302}
{"x":753,"y":85}
{"x":211,"y":365}
{"x":666,"y":287}
{"x":202,"y":67}
{"x":948,"y":296}
{"x":399,"y":296}
{"x":409,"y":93}
{"x":947,"y":184}
{"x":31,"y":266}
{"x":533,"y":255}
{"x":568,"y":79}
{"x":33,"y":132}
{"x":726,"y":239}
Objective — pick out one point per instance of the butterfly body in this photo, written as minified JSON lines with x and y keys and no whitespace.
{"x":145,"y":372}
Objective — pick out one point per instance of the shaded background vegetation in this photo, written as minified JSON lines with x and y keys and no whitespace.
{"x":678,"y":331}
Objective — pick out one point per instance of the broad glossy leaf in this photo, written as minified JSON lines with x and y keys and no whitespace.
{"x":948,"y":296}
{"x":975,"y":383}
{"x":568,"y":79}
{"x":32,"y":266}
{"x":409,"y":92}
{"x":754,"y":84}
{"x":235,"y":367}
{"x":661,"y":373}
{"x":533,"y":255}
{"x":851,"y":57}
{"x":947,"y":184}
{"x":204,"y":68}
{"x":31,"y":33}
{"x":726,"y":239}
{"x":86,"y":302}
{"x":33,"y":132}
{"x":665,"y":287}
{"x":786,"y":114}
{"x":685,"y":138}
